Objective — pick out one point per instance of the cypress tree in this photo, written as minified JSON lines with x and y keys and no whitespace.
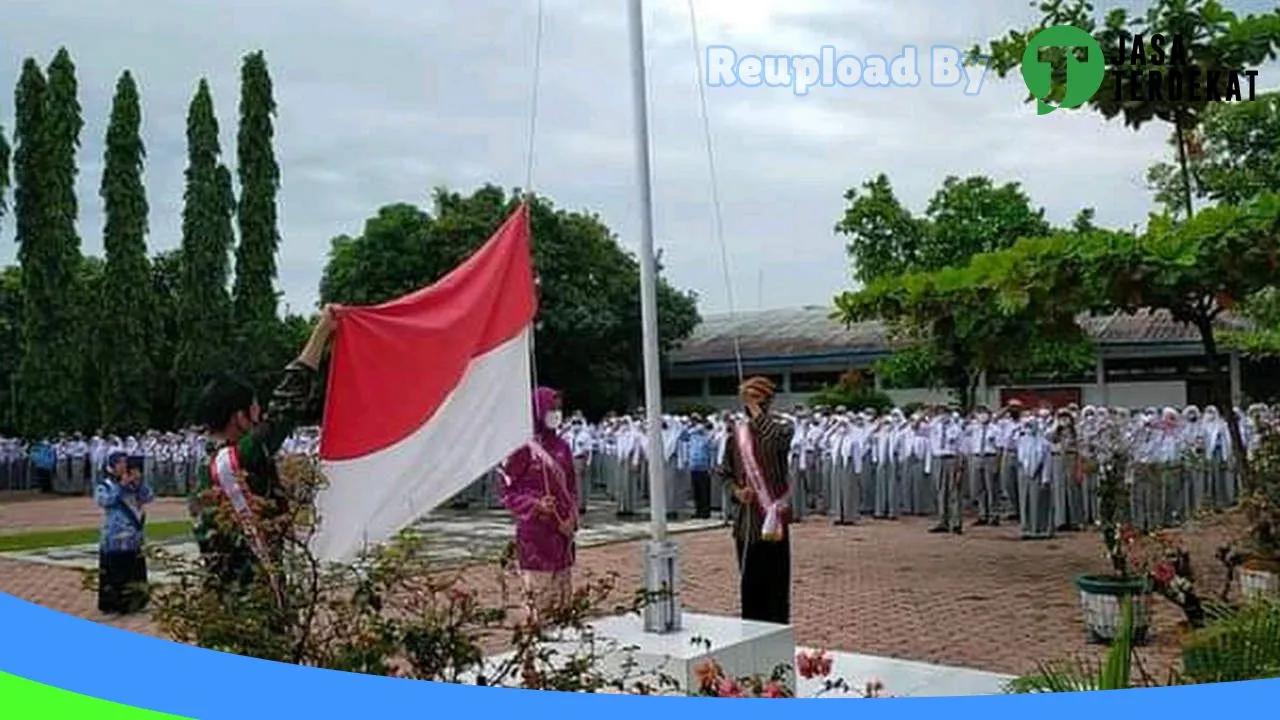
{"x":125,"y":363}
{"x":68,"y":324}
{"x":28,"y":157}
{"x":4,"y":173}
{"x":254,"y":294}
{"x":204,"y":312}
{"x":48,"y":135}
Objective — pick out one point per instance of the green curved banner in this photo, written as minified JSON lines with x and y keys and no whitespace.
{"x":22,"y":699}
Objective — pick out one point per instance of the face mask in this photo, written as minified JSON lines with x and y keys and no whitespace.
{"x":553,"y":420}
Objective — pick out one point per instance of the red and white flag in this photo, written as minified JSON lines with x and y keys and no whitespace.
{"x":426,"y":394}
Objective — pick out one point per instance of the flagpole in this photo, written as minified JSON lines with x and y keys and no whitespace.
{"x":662,"y":612}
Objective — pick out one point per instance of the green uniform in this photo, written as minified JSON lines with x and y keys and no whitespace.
{"x":227,"y":550}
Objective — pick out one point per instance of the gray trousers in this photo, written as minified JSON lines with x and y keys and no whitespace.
{"x":629,"y":480}
{"x":844,"y":494}
{"x":1068,"y":492}
{"x":947,"y":491}
{"x":1035,"y":514}
{"x":984,"y":487}
{"x":1144,"y":498}
{"x":1010,"y":483}
{"x":580,"y":468}
{"x":886,"y":502}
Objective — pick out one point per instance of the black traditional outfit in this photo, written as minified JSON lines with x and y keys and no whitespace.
{"x":757,"y":454}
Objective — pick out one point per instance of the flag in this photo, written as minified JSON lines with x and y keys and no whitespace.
{"x":426,"y":394}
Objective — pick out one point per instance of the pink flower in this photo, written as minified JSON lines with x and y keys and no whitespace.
{"x":774,"y":690}
{"x":1164,"y":573}
{"x":813,"y":663}
{"x":728,"y":688}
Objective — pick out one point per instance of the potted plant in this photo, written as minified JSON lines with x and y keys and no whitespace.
{"x":1101,"y":595}
{"x":1259,"y":569}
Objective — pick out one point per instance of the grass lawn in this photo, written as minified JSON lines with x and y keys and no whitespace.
{"x":41,"y":539}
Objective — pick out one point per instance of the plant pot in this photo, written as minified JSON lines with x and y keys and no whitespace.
{"x":1259,"y":579}
{"x":1100,"y":597}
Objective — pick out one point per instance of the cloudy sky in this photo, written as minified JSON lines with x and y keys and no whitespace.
{"x":380,"y":100}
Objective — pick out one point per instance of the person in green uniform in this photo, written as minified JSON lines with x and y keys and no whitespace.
{"x":239,"y":472}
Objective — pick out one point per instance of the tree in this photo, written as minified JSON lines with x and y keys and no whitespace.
{"x":1213,"y":38}
{"x":945,"y":335}
{"x":164,"y":337}
{"x":5,"y":151}
{"x":588,"y":334}
{"x":126,"y":376}
{"x":254,"y":296}
{"x":48,"y":131}
{"x":204,"y":303}
{"x":1195,"y":270}
{"x":1232,"y":159}
{"x":10,"y":347}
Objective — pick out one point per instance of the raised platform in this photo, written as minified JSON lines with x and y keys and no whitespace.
{"x":741,"y":647}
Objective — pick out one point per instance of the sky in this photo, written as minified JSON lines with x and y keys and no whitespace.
{"x":381,"y":101}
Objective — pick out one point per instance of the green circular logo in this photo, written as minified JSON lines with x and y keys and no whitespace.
{"x":1083,"y":77}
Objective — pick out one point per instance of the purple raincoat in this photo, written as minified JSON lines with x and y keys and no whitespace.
{"x":541,"y":546}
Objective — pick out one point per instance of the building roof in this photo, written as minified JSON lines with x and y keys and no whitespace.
{"x":810,"y":331}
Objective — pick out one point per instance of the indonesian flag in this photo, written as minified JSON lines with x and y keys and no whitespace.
{"x":426,"y":394}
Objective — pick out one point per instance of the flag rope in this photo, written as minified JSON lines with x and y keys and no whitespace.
{"x":535,"y":82}
{"x":716,"y":211}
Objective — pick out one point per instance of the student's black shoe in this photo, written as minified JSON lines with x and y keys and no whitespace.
{"x":982,"y":522}
{"x":937,"y":529}
{"x":957,"y":531}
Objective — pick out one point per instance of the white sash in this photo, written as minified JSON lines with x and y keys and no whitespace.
{"x":224,"y":470}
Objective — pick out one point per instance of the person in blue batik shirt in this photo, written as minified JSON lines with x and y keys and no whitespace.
{"x":700,"y":466}
{"x":122,"y":568}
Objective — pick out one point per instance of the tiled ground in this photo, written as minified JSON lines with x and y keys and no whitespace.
{"x":984,"y":600}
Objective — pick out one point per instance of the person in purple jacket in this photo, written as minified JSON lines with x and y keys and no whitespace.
{"x":541,"y":491}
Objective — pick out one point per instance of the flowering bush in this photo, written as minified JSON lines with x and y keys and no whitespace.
{"x":392,"y":612}
{"x":810,"y":664}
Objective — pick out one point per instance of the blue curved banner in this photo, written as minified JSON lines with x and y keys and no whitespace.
{"x":51,"y":660}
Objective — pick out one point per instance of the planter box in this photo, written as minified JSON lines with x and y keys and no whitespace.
{"x":1257,"y":583}
{"x":1100,"y":597}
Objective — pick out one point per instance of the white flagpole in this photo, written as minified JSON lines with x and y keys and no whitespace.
{"x":662,"y":613}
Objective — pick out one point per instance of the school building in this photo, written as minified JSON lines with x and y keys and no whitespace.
{"x":1144,"y":359}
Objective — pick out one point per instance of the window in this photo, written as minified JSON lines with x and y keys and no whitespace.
{"x":724,"y":385}
{"x":1145,"y":369}
{"x":812,"y":382}
{"x":727,"y":385}
{"x":682,"y":387}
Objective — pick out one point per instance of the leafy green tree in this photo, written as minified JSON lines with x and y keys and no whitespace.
{"x":164,"y":336}
{"x":1232,"y":159}
{"x":48,"y":131}
{"x":10,"y":347}
{"x":946,"y":335}
{"x":126,"y":372}
{"x":1195,"y":270}
{"x":204,"y":304}
{"x":1214,"y":39}
{"x":588,"y":333}
{"x":254,"y":297}
{"x":90,"y":288}
{"x":5,"y":152}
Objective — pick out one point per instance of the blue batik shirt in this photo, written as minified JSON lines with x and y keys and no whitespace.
{"x":699,"y":449}
{"x":121,"y":505}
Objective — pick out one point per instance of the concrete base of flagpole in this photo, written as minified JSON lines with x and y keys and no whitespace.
{"x":662,"y":612}
{"x":627,"y":653}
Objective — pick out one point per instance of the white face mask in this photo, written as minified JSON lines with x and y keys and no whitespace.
{"x":553,"y":420}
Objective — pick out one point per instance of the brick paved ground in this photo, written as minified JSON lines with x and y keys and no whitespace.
{"x":23,"y":512}
{"x":984,"y":600}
